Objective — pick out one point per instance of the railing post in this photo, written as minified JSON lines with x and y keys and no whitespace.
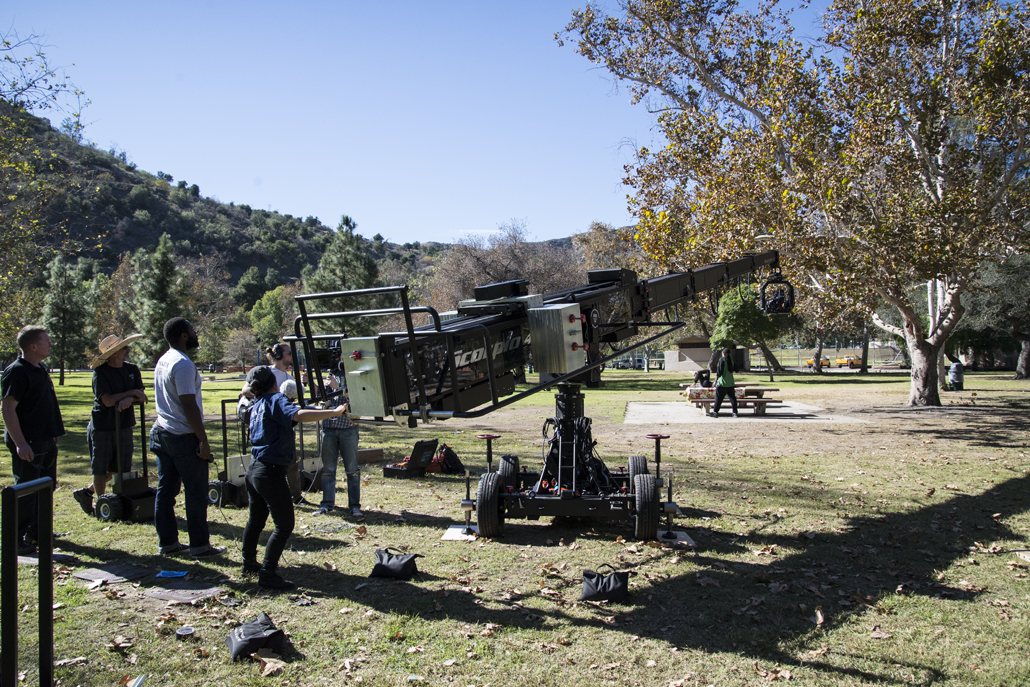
{"x":9,"y":569}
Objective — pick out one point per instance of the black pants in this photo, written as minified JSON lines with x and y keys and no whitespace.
{"x":722,"y":392}
{"x":269,"y":493}
{"x":43,"y":465}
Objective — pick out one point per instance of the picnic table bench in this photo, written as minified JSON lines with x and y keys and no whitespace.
{"x":748,"y":396}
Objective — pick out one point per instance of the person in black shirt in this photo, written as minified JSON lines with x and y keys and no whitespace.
{"x":117,"y":385}
{"x":32,"y":424}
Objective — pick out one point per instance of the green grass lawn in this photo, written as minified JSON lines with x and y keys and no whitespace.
{"x":876,"y":552}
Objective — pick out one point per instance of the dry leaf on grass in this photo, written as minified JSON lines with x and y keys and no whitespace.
{"x":877,"y":633}
{"x":415,"y":650}
{"x":818,"y":619}
{"x":119,"y":643}
{"x":708,"y":582}
{"x":77,"y":661}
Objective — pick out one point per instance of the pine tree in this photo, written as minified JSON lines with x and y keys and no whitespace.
{"x":157,"y":296}
{"x":346,"y":265}
{"x":65,"y":316}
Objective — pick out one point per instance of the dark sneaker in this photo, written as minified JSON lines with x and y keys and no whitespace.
{"x":176,"y":550}
{"x":713,"y":414}
{"x":210,"y":551}
{"x":25,"y":548}
{"x":251,"y":567}
{"x":734,"y":415}
{"x":324,"y":510}
{"x":355,"y":512}
{"x":85,"y":500}
{"x":301,"y":501}
{"x":272,"y":580}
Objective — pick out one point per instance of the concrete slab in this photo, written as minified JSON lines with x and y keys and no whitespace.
{"x":457,"y":533}
{"x":682,"y":412}
{"x":184,"y":591}
{"x":676,"y":538}
{"x":33,"y":559}
{"x":113,"y":574}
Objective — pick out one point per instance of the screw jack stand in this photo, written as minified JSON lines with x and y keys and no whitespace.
{"x":489,"y":449}
{"x":669,"y":534}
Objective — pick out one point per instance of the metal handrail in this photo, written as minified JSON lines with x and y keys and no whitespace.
{"x":9,"y":571}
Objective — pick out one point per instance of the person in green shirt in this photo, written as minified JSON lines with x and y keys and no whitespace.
{"x":724,"y":384}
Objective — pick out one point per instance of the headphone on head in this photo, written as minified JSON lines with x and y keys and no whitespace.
{"x":278,"y":351}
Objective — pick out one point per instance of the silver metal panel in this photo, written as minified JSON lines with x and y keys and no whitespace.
{"x":365,"y":377}
{"x":557,"y":342}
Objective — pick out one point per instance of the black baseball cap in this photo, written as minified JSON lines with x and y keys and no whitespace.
{"x":261,"y":377}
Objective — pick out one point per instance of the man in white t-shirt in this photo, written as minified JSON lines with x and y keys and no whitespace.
{"x":180,"y":444}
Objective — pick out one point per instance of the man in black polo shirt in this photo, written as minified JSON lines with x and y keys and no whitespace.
{"x":32,"y":423}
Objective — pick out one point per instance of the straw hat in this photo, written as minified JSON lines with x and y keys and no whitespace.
{"x":110,"y":346}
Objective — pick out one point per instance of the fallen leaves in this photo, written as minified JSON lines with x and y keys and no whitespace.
{"x":776,"y":673}
{"x":77,"y":661}
{"x":119,"y":643}
{"x":271,"y":663}
{"x":877,"y":633}
{"x":818,"y":618}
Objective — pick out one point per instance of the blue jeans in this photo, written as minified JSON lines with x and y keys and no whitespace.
{"x":336,"y":443}
{"x":43,"y":465}
{"x":178,"y":465}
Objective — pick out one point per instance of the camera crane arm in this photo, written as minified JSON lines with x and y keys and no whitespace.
{"x":466,"y":362}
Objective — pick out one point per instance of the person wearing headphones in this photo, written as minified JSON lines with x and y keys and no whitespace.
{"x":280,"y":358}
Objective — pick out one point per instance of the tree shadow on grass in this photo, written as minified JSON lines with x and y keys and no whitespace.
{"x":749,"y":608}
{"x":988,"y":426}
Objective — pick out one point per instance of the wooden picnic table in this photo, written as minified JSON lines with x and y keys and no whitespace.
{"x":748,"y":396}
{"x":739,"y":385}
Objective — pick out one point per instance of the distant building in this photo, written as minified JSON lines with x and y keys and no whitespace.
{"x":693,"y":353}
{"x":690,"y":355}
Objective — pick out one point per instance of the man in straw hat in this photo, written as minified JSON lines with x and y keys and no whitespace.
{"x":117,"y":385}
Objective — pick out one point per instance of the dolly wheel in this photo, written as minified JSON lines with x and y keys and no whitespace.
{"x":215,"y":490}
{"x":637,"y":466}
{"x":110,"y":507}
{"x":645,"y":527}
{"x":489,"y":509}
{"x":509,"y":472}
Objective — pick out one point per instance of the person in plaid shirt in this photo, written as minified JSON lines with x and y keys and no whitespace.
{"x":340,"y":438}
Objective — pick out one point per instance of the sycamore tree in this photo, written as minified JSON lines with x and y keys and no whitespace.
{"x":890,"y":151}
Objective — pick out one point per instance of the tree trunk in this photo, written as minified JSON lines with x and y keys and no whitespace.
{"x":770,"y":358}
{"x":713,"y":362}
{"x":925,"y":388}
{"x":865,"y":350}
{"x":1023,"y":364}
{"x":818,"y":358}
{"x":61,"y":382}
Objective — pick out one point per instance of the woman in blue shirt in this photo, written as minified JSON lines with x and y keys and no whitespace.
{"x":272,"y":418}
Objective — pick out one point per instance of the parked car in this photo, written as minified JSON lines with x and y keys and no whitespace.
{"x":852,"y":361}
{"x":823,"y":362}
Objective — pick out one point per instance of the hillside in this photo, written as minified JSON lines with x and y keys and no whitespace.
{"x":111,"y":207}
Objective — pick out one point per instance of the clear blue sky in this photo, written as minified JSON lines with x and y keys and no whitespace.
{"x":421,"y":120}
